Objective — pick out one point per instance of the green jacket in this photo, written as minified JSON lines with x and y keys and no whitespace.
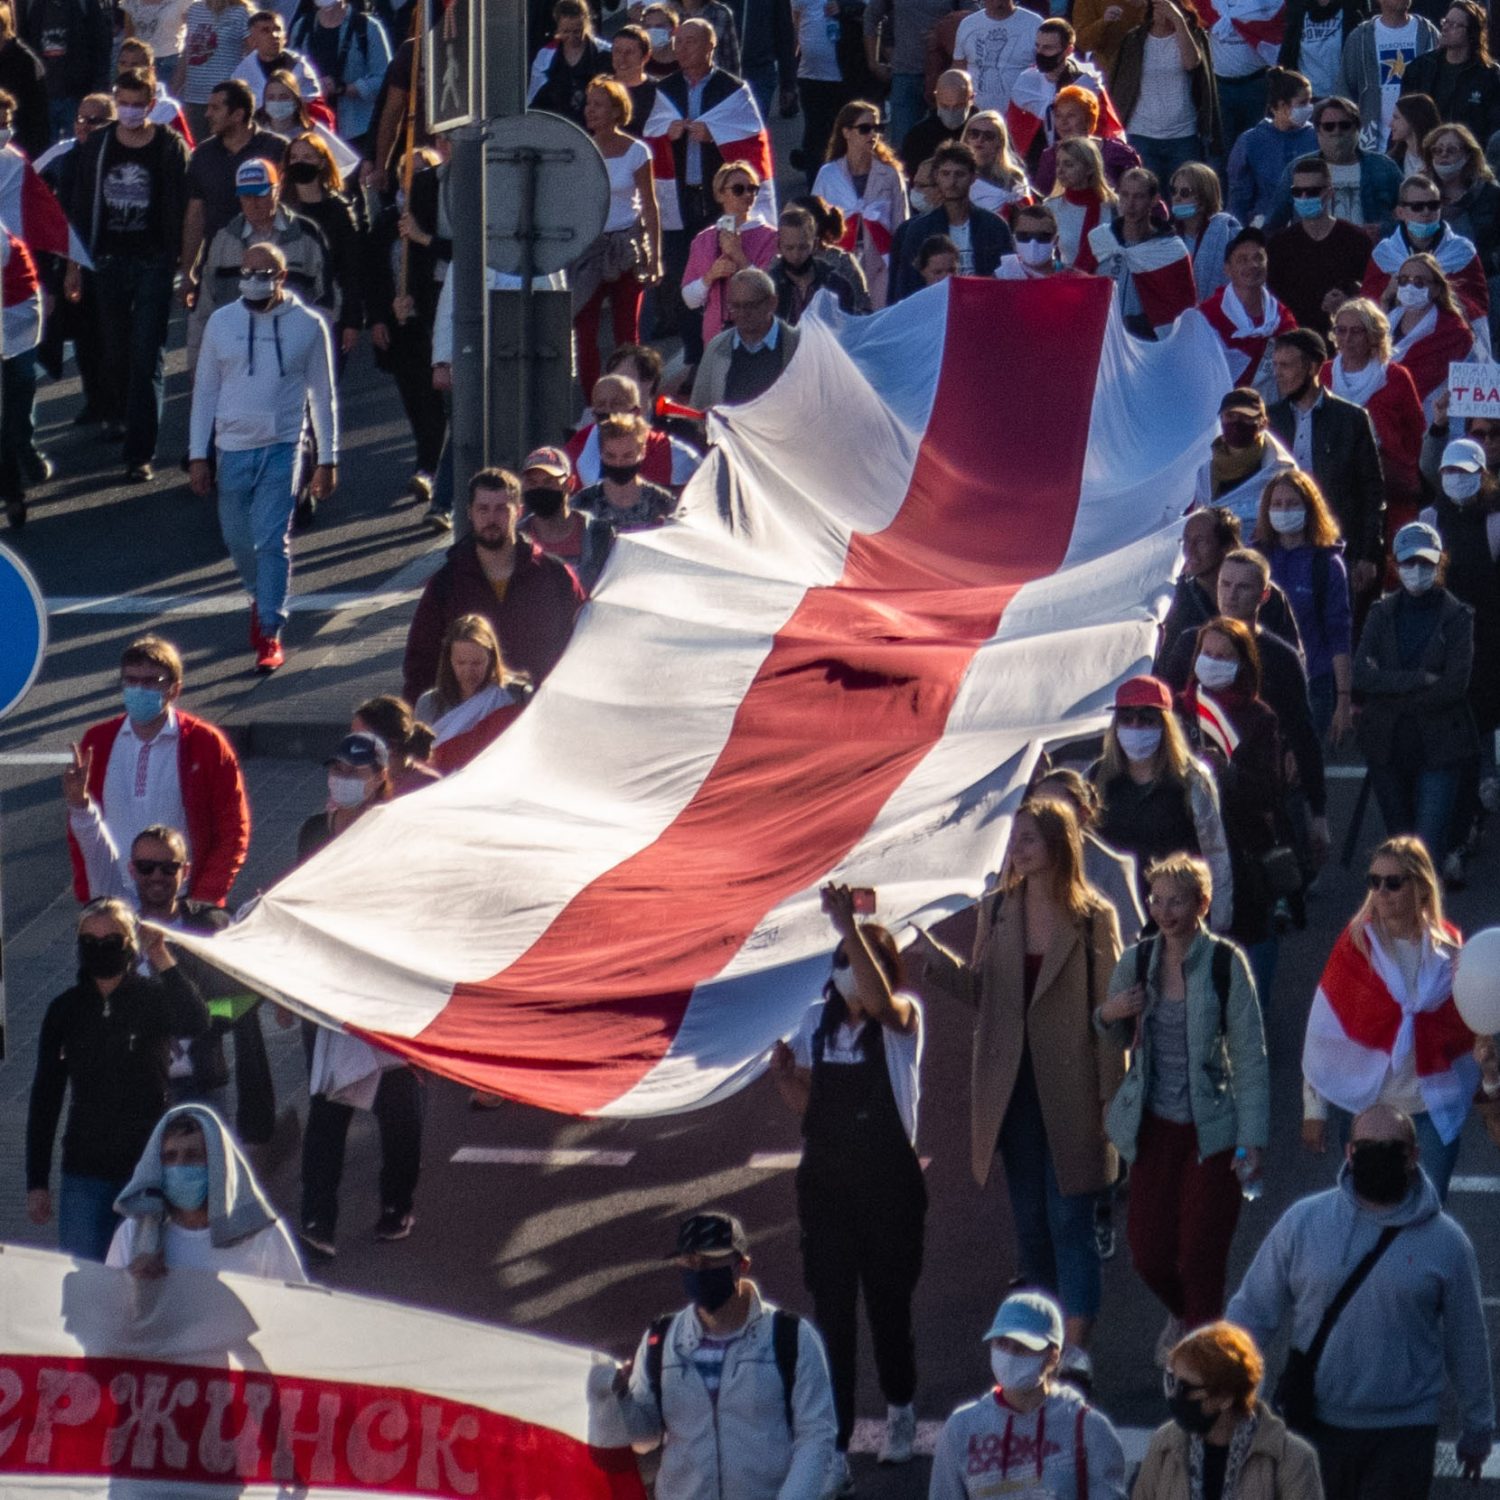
{"x":1229,"y":1083}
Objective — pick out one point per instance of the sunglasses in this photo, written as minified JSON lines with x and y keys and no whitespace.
{"x":1171,"y":1385}
{"x":1032,"y":237}
{"x":1307,"y":192}
{"x":157,"y":866}
{"x":1138,"y":717}
{"x":1386,"y":882}
{"x":741,"y":190}
{"x":867,"y":127}
{"x":1338,"y":127}
{"x":1424,"y":205}
{"x":983,"y":135}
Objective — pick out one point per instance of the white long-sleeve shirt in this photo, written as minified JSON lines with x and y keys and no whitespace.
{"x":258,"y":372}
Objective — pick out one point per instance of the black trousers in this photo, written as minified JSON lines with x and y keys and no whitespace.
{"x":862,"y":1227}
{"x":398,"y":1112}
{"x":1375,"y":1463}
{"x":821,"y":102}
{"x":410,"y":363}
{"x":254,"y":1089}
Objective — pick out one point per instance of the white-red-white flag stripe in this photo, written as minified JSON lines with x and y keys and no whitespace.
{"x":735,"y":125}
{"x":1160,"y":268}
{"x":890,"y":589}
{"x":237,"y":1388}
{"x":30,"y":210}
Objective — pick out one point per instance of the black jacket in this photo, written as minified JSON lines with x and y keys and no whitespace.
{"x":1192,"y":607}
{"x":768,"y":37}
{"x":824,"y":278}
{"x":1346,"y":464}
{"x":925,"y":137}
{"x":1351,"y":13}
{"x":1468,"y":94}
{"x":113,"y":1056}
{"x":88,"y":189}
{"x":718,"y":86}
{"x":1418,"y":714}
{"x":83,"y":65}
{"x":1283,"y":688}
{"x":1476,"y":216}
{"x":563,"y":91}
{"x":25,"y":79}
{"x":989,"y":236}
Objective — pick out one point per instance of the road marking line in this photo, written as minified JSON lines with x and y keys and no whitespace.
{"x":205,"y":605}
{"x":1474,"y":1185}
{"x":525,"y":1156}
{"x":869,"y":1431}
{"x":789,"y":1161}
{"x":1344,"y":773}
{"x":36,"y":758}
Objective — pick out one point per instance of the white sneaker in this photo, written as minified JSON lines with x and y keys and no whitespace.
{"x":900,"y":1434}
{"x":1168,"y":1339}
{"x":840,"y":1478}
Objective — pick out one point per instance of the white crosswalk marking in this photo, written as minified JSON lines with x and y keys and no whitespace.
{"x":1474,"y":1185}
{"x":557,"y":1156}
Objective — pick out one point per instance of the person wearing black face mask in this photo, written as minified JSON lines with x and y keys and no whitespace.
{"x":1411,"y":1324}
{"x":548,"y":520}
{"x":622,"y":500}
{"x":731,"y":1384}
{"x":315,"y":190}
{"x":1219,"y":1431}
{"x":106,"y":1042}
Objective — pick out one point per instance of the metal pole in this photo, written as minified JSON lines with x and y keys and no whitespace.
{"x":526,"y":344}
{"x":500,"y":58}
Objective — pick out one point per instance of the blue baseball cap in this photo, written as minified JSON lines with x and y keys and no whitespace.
{"x":1418,"y":542}
{"x":1030,"y":1319}
{"x":255,"y":179}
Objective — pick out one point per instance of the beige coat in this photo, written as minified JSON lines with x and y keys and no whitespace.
{"x":1077,"y":1070}
{"x":1279,"y":1466}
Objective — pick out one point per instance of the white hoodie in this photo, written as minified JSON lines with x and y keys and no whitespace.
{"x":257,"y":374}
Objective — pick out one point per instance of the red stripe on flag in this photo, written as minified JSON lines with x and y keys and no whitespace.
{"x":855,"y":691}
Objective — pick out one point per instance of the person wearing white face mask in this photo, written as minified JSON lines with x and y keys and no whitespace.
{"x":1040,"y":1439}
{"x":1414,"y":665}
{"x":130,"y":190}
{"x":269,"y":54}
{"x":1034,"y":227}
{"x":1467,"y":518}
{"x":1428,"y":328}
{"x":953,"y":106}
{"x":1263,"y":153}
{"x":1155,"y":798}
{"x":852,"y":1074}
{"x":1421,"y":230}
{"x":346,"y":1073}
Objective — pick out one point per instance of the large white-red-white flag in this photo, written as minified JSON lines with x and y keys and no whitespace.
{"x":234,"y":1388}
{"x":30,"y":210}
{"x":737,"y":130}
{"x":935,"y":545}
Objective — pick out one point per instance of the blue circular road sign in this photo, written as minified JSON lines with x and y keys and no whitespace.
{"x":23,"y":629}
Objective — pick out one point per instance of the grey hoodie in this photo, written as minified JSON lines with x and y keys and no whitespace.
{"x":237,"y":1208}
{"x":1415,"y":1323}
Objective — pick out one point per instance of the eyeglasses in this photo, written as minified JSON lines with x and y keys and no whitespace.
{"x":1033,"y":237}
{"x":1138,"y":717}
{"x":157,"y":866}
{"x":1307,"y":192}
{"x":866,"y":127}
{"x":1171,"y":1384}
{"x":1422,"y":205}
{"x":91,"y":120}
{"x":1337,"y":127}
{"x":1386,"y":882}
{"x":741,"y":190}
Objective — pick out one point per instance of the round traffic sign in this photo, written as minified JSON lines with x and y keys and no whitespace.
{"x":544,"y":182}
{"x":23,"y":628}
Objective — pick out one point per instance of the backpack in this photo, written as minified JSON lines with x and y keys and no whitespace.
{"x":784,"y":1334}
{"x":1220,"y":970}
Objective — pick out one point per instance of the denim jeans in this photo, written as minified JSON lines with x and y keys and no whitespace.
{"x":257,"y":494}
{"x":17,"y":420}
{"x":1164,"y":156}
{"x":60,"y":116}
{"x":135,"y":310}
{"x":1417,"y":799}
{"x":906,"y":105}
{"x":1054,"y":1230}
{"x":1323,"y":694}
{"x":1242,"y":103}
{"x":86,"y":1217}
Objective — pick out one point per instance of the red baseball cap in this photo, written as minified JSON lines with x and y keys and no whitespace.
{"x":1144,"y":692}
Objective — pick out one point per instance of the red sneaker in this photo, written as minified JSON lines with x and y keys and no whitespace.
{"x":268,"y":654}
{"x":255,"y":635}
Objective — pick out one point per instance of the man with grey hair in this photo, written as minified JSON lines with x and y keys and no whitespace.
{"x":1402,"y":1274}
{"x":745,"y":360}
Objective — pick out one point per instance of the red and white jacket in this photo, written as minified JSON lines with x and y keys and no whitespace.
{"x":1246,"y":342}
{"x":1456,"y":257}
{"x":213,"y":798}
{"x":1160,"y":268}
{"x":1029,"y":112}
{"x":1368,"y":1029}
{"x":20,"y":298}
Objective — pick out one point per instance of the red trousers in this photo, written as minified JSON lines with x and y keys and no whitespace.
{"x":1182,"y":1218}
{"x":625,"y":297}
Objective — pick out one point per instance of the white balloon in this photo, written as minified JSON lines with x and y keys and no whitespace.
{"x":1476,"y":982}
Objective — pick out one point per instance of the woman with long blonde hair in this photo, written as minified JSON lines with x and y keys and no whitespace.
{"x":1078,"y":199}
{"x":1383,"y":1028}
{"x":476,"y":697}
{"x":1043,"y":954}
{"x":1002,"y":174}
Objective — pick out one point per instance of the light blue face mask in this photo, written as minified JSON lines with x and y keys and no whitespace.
{"x":142,"y":704}
{"x":1423,"y":229}
{"x":1184,"y":210}
{"x":185,"y":1185}
{"x":1307,"y":208}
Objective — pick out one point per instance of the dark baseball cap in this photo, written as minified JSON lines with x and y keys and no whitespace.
{"x":361,"y":750}
{"x":710,"y":1233}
